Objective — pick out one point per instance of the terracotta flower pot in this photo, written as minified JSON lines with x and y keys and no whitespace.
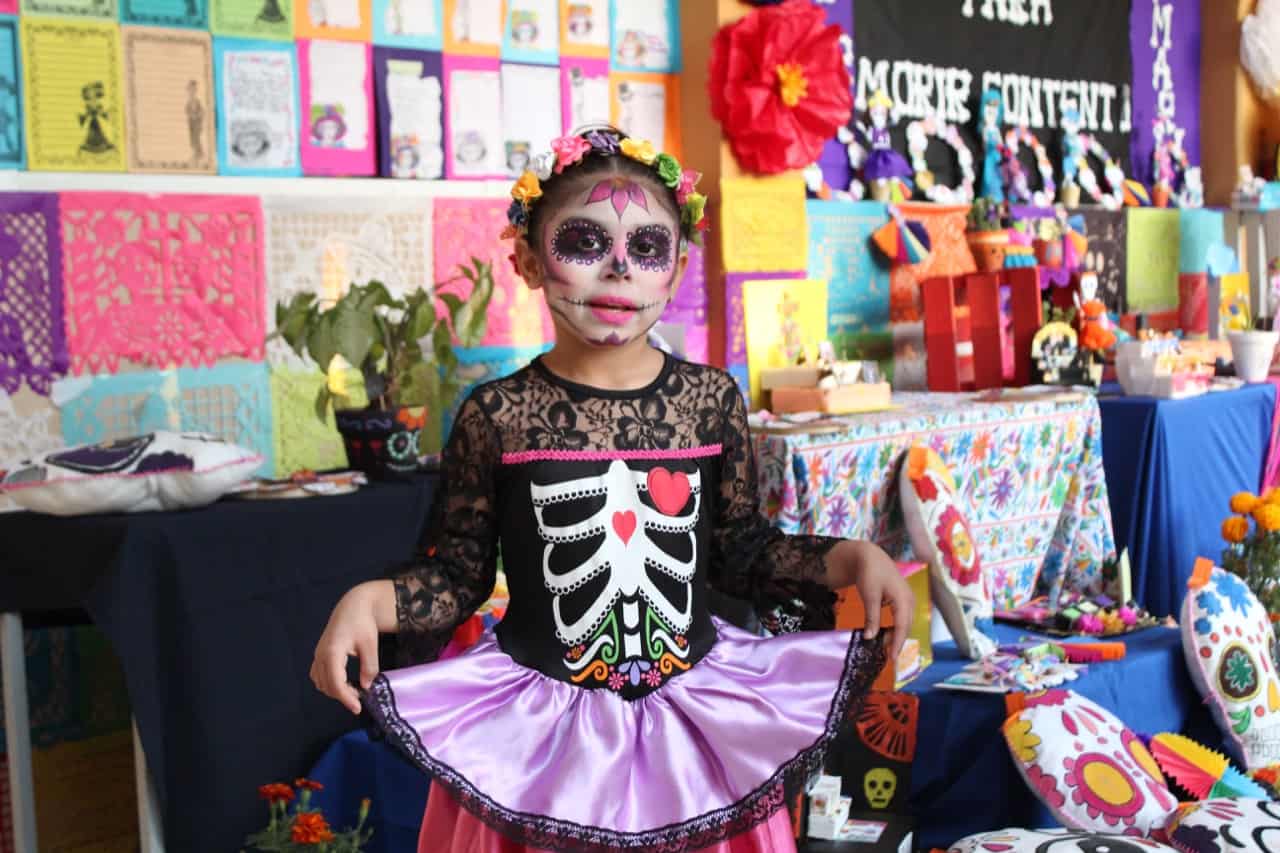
{"x":988,"y":248}
{"x":1048,"y":253}
{"x":1160,"y":195}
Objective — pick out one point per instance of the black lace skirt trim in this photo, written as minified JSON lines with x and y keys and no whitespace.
{"x":863,"y":661}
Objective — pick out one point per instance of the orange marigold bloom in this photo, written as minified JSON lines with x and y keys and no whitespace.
{"x":1272,"y":496}
{"x":1235,"y":529}
{"x":1244,"y":503}
{"x":310,"y":828}
{"x":1268,"y":517}
{"x":308,"y":784}
{"x":277,"y":792}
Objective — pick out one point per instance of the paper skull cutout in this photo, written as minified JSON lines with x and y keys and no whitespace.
{"x":879,"y":785}
{"x":1227,"y":640}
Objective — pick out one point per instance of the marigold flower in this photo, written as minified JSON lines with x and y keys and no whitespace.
{"x":310,"y":828}
{"x":276,"y":792}
{"x":1244,"y":503}
{"x":1272,"y":496}
{"x":308,"y":784}
{"x":1235,"y":529}
{"x":1268,"y":517}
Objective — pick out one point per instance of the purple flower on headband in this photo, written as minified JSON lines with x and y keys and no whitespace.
{"x":517,"y":215}
{"x":603,"y":141}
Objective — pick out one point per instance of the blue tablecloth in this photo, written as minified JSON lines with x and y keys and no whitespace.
{"x":1172,"y":467}
{"x":963,"y":780}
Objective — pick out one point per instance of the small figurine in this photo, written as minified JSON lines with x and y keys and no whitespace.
{"x":883,"y":166}
{"x":1192,"y":193}
{"x":992,"y":116}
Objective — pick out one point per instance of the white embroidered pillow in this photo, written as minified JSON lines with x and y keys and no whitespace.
{"x":1086,"y":767}
{"x":1226,"y":638}
{"x":940,"y":537}
{"x":1227,"y":826}
{"x":1055,"y":841}
{"x":156,"y":471}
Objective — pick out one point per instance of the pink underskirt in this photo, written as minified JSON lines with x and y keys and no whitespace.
{"x":449,"y":828}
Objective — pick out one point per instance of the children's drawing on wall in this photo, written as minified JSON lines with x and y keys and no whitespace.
{"x":9,"y":121}
{"x":328,"y":128}
{"x":477,"y":22}
{"x":410,"y":18}
{"x":92,"y":118}
{"x":250,"y":141}
{"x":642,"y":110}
{"x":588,"y":98}
{"x":416,"y":139}
{"x":580,"y":22}
{"x":271,"y":12}
{"x":405,"y":158}
{"x":334,"y":13}
{"x":195,"y":121}
{"x":791,"y":336}
{"x":524,"y":26}
{"x":642,"y":33}
{"x":518,"y":157}
{"x":469,"y":149}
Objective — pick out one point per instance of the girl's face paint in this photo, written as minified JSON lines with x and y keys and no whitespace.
{"x":611,"y":264}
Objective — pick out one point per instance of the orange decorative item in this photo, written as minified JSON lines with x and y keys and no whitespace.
{"x":988,"y":249}
{"x":887,"y":724}
{"x":779,"y":86}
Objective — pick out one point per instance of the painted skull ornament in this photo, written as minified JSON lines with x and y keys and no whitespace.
{"x":1227,"y":640}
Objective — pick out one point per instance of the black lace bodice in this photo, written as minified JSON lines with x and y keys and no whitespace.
{"x":613,"y":511}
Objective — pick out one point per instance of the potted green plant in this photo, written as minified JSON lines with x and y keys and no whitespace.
{"x":389,"y":361}
{"x":987,"y":236}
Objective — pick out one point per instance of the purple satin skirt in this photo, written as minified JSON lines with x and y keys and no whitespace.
{"x":709,"y":755}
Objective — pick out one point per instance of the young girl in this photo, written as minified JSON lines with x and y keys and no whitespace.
{"x":609,"y":710}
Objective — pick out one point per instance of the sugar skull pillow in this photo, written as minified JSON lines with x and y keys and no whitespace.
{"x":940,"y":536}
{"x":1226,"y":638}
{"x":1234,"y":825}
{"x":1055,"y":841}
{"x":1085,"y":766}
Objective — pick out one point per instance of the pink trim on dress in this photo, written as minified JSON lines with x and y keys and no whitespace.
{"x":525,"y":456}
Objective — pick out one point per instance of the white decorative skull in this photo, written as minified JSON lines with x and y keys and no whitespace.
{"x":879,"y":785}
{"x":626,"y":555}
{"x":1227,"y":640}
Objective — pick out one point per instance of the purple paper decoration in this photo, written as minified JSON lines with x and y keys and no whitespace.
{"x":1164,"y":37}
{"x":33,"y":343}
{"x":689,"y":308}
{"x":432,"y":65}
{"x":735,"y":319}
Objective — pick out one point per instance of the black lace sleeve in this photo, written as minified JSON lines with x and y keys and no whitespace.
{"x":783,"y":576}
{"x":455,"y":570}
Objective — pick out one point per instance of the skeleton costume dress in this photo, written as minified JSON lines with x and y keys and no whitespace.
{"x":609,"y":710}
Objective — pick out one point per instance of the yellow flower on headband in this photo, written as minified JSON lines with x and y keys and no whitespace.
{"x":640,"y":149}
{"x":527,"y":188}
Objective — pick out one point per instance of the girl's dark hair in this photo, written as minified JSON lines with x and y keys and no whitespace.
{"x":557,"y":189}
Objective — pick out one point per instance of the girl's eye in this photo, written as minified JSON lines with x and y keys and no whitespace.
{"x":580,"y":242}
{"x":650,"y":247}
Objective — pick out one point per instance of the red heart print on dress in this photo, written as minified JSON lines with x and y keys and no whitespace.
{"x":624,"y":524}
{"x":670,"y":492}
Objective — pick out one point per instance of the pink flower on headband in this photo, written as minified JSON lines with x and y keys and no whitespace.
{"x":688,"y":180}
{"x":569,"y":150}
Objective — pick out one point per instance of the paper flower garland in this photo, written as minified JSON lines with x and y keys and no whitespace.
{"x":779,"y":86}
{"x":918,"y":136}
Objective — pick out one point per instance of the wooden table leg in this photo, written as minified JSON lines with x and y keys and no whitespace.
{"x":17,"y":732}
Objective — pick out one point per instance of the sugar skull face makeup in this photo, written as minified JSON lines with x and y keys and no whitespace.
{"x":611,"y":259}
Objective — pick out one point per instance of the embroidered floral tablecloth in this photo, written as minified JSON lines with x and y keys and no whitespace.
{"x":1030,"y":472}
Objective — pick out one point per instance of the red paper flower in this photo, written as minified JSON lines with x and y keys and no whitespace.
{"x":955,"y":545}
{"x":779,"y":86}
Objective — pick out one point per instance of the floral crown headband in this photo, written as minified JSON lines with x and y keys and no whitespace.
{"x":572,"y":150}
